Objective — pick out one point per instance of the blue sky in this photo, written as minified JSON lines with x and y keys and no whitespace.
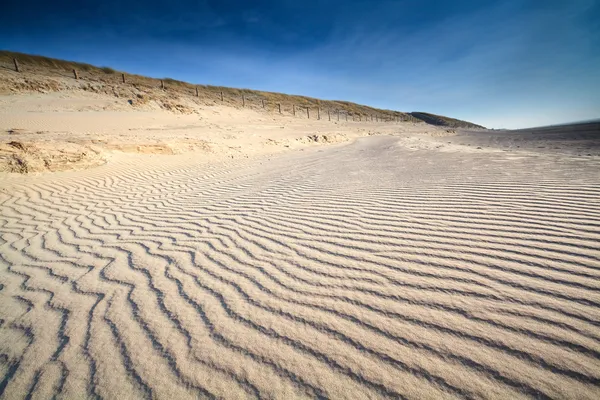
{"x":513,"y":63}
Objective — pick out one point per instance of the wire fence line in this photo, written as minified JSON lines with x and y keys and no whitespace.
{"x":231,"y":96}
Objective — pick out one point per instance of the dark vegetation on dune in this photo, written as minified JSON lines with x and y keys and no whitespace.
{"x":440,"y":120}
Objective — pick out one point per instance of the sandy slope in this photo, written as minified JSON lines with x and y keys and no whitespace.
{"x":399,"y":267}
{"x":52,"y":122}
{"x":76,"y":129}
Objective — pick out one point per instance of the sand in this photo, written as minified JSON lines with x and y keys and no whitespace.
{"x":251,"y":255}
{"x":76,"y":130}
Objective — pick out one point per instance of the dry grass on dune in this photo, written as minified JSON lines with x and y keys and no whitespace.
{"x":364,"y":271}
{"x":44,"y":68}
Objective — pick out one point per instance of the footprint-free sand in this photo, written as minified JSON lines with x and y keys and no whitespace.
{"x":402,"y":265}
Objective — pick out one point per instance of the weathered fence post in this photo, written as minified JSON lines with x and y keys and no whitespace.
{"x":329,"y":114}
{"x":221,"y":96}
{"x":16,"y":65}
{"x":197,"y":94}
{"x":162,"y":84}
{"x":294,"y":109}
{"x":243,"y":101}
{"x":75,"y":73}
{"x":279,"y":105}
{"x":123,"y":77}
{"x":338,"y":113}
{"x":319,"y":113}
{"x":263,"y":103}
{"x":308,"y":112}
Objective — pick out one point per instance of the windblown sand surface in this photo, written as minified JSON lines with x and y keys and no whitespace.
{"x":387,"y":267}
{"x":74,"y":130}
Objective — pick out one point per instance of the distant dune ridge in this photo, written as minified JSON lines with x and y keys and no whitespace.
{"x":46,"y":65}
{"x":155,"y":244}
{"x":440,"y":120}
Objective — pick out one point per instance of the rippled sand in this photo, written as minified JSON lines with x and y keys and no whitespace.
{"x":369,"y":270}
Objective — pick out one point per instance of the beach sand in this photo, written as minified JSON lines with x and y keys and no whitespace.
{"x":234,"y":253}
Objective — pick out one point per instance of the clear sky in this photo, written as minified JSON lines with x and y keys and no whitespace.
{"x":513,"y":63}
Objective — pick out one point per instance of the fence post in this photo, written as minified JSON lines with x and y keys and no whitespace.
{"x":263,"y":103}
{"x":294,"y":109}
{"x":243,"y":101}
{"x":75,"y":74}
{"x":197,"y":94}
{"x":162,"y":84}
{"x":319,"y":113}
{"x":16,"y":65}
{"x":279,"y":105}
{"x":123,"y":77}
{"x":221,"y":96}
{"x":308,"y":112}
{"x":329,"y":114}
{"x":338,"y":113}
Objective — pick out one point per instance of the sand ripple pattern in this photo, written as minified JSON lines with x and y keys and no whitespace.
{"x":363,"y":271}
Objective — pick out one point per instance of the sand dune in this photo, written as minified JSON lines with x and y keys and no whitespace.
{"x":385,"y":268}
{"x":75,"y":129}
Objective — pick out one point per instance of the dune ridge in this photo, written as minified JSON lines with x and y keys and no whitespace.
{"x":45,"y":74}
{"x":369,"y":270}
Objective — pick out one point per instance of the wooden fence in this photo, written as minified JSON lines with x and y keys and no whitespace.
{"x":249,"y":99}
